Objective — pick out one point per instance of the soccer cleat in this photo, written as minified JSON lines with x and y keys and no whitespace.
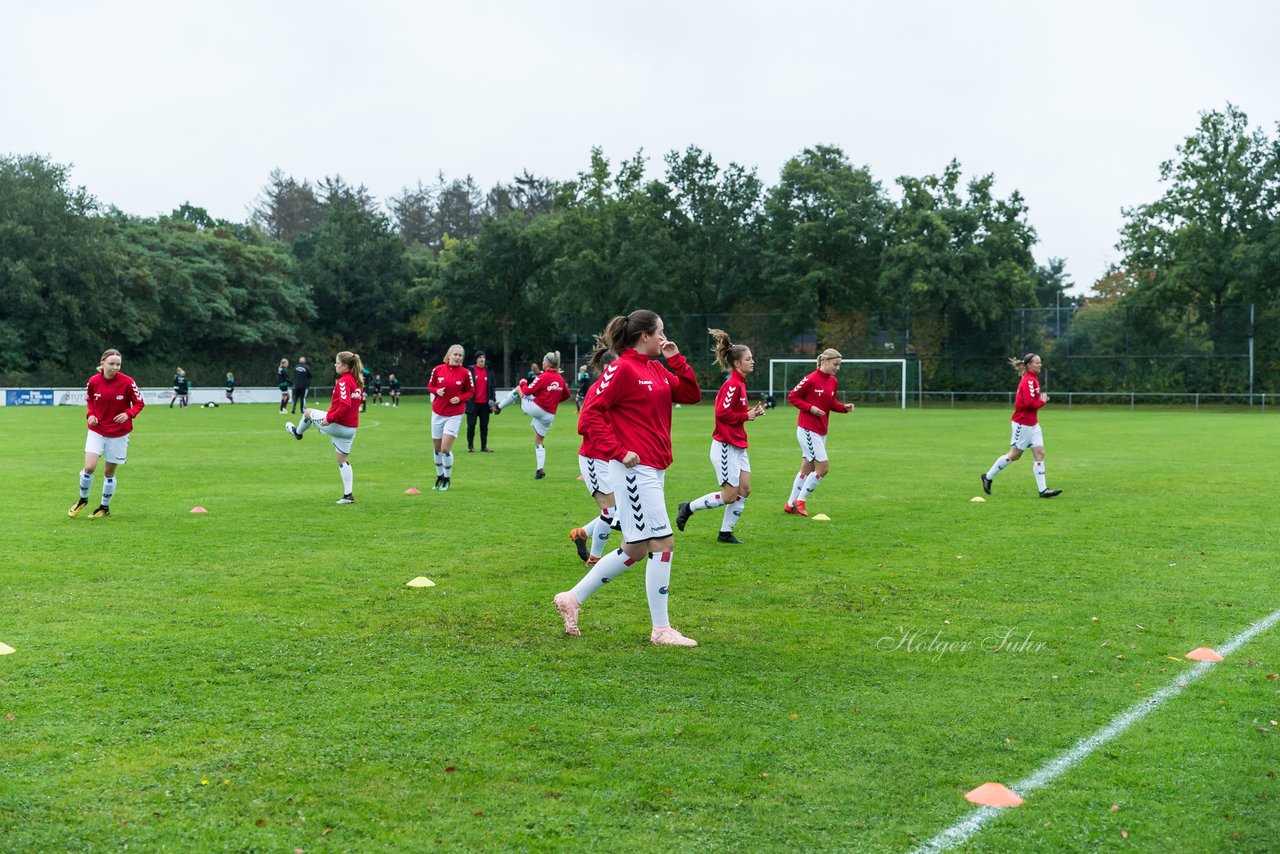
{"x":667,"y":636}
{"x":444,"y":484}
{"x":800,"y":509}
{"x":471,"y":450}
{"x":986,"y":484}
{"x":77,"y":507}
{"x":293,"y":431}
{"x":539,"y":474}
{"x":1050,"y":493}
{"x":728,"y":537}
{"x":347,"y":499}
{"x":579,"y":537}
{"x":486,"y":450}
{"x":436,"y":486}
{"x":495,"y":409}
{"x":790,"y":508}
{"x":683,"y":512}
{"x":591,"y":561}
{"x":103,"y":510}
{"x":568,"y":606}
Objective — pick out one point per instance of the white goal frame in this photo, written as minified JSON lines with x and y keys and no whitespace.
{"x":902,"y":363}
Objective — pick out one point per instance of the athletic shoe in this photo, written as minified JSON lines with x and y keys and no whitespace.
{"x":539,"y":474}
{"x":77,"y":507}
{"x":591,"y":561}
{"x":471,"y":450}
{"x":986,"y":484}
{"x":790,"y":508}
{"x":495,"y":409}
{"x":486,"y":450}
{"x":682,"y":514}
{"x":293,"y":431}
{"x":800,"y":509}
{"x":347,"y":499}
{"x":728,"y":537}
{"x":1050,"y":493}
{"x":579,"y":537}
{"x":444,"y":484}
{"x":667,"y":636}
{"x":436,"y":485}
{"x":103,"y":510}
{"x":567,"y":604}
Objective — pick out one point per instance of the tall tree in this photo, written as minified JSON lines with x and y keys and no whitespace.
{"x":286,"y":208}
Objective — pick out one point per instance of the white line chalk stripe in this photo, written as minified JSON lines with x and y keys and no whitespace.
{"x":966,"y":828}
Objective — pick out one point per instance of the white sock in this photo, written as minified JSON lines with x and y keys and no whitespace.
{"x":795,"y":489}
{"x":810,"y":484}
{"x":439,"y":464}
{"x":707,"y":502}
{"x":506,"y":401}
{"x":733,"y":512}
{"x":603,"y":528}
{"x":446,"y":463}
{"x":657,"y":577}
{"x":997,"y":466}
{"x":608,"y":568}
{"x":108,"y":490}
{"x":540,"y":454}
{"x":86,"y":483}
{"x":1039,"y":470}
{"x":348,"y":478}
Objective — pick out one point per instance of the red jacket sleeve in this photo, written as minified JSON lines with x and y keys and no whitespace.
{"x":88,"y":401}
{"x":798,"y":396}
{"x":525,"y":388}
{"x":728,"y":412}
{"x":1024,"y":399}
{"x":342,"y":402}
{"x":837,"y":405}
{"x":592,"y":422}
{"x":138,"y":402}
{"x":434,"y":383}
{"x":687,"y":391}
{"x":468,"y":390}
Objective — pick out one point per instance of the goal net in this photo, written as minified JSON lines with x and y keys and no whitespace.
{"x":861,"y":380}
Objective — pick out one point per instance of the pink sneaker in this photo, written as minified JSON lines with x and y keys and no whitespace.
{"x":667,"y":636}
{"x":568,"y":606}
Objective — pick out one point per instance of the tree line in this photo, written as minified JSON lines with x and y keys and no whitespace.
{"x":933,"y":269}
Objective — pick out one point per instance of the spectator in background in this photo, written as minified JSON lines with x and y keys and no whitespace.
{"x":301,"y":385}
{"x":478,"y":407}
{"x":181,"y":389}
{"x":231,"y":387}
{"x":283,"y":380}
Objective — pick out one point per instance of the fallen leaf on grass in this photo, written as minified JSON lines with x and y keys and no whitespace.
{"x":477,"y":812}
{"x":204,"y":782}
{"x":1139,"y":625}
{"x":1115,"y":808}
{"x":450,"y":770}
{"x":1269,"y":676}
{"x":1173,"y":658}
{"x":794,"y":715}
{"x":1124,"y":834}
{"x":327,"y":831}
{"x":11,"y":715}
{"x":1093,"y":619}
{"x":764,"y":773}
{"x":261,"y":822}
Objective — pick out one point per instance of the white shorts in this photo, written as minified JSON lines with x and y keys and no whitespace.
{"x":729,"y":461}
{"x":112,"y":449}
{"x":595,"y":475}
{"x":442,"y":425}
{"x":813,"y":446}
{"x":539,"y":419}
{"x":1026,"y":437}
{"x":341,"y":435}
{"x":642,"y":508}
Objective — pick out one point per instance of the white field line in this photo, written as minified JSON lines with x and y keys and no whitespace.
{"x":966,"y":828}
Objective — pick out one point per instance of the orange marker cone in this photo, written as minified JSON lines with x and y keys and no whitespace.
{"x":412,"y":491}
{"x":198,"y":510}
{"x":993,"y":795}
{"x":1203,"y":653}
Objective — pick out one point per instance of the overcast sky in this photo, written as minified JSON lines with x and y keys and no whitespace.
{"x":1075,"y":104}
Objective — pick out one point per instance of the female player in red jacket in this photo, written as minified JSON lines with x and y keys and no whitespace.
{"x":629,"y":418}
{"x":339,"y":423}
{"x":815,"y":397}
{"x":450,"y":388}
{"x":593,"y":463}
{"x":539,"y":400}
{"x":728,"y":440}
{"x":1026,"y":425}
{"x":113,"y":401}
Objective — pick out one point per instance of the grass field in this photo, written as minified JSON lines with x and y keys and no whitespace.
{"x":260,"y":679}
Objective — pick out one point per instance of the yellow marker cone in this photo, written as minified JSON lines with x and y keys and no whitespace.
{"x":5,"y":649}
{"x":977,"y":499}
{"x":1203,"y":653}
{"x":993,"y":795}
{"x":421,"y":581}
{"x":822,"y":517}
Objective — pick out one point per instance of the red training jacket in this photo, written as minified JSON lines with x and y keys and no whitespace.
{"x":548,"y":390}
{"x":106,"y":398}
{"x":631,"y":408}
{"x":454,"y":382}
{"x":345,"y":406}
{"x":731,"y":411}
{"x":1027,"y":402}
{"x":817,"y":389}
{"x":590,"y":448}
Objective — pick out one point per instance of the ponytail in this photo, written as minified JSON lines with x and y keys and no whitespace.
{"x":1020,"y":365}
{"x":726,"y":352}
{"x":624,"y":331}
{"x":600,"y":356}
{"x":553,"y":359}
{"x":351,"y":361}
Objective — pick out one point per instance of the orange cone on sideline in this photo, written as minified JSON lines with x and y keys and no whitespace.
{"x":198,"y":510}
{"x":1203,"y":653}
{"x":412,"y":491}
{"x":993,"y":795}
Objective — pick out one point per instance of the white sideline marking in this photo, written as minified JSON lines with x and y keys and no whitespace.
{"x":966,"y":828}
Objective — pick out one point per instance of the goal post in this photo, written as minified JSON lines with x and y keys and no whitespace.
{"x":785,"y":373}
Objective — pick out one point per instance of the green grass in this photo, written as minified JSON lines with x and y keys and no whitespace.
{"x":271,"y":648}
